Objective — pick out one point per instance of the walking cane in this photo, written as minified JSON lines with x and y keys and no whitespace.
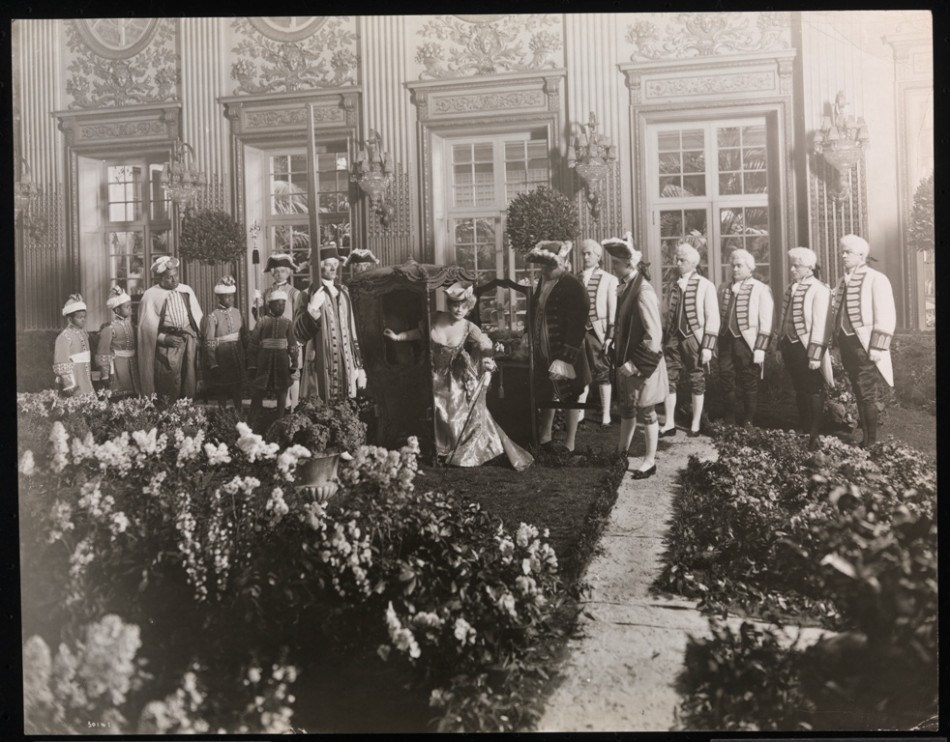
{"x":468,"y":418}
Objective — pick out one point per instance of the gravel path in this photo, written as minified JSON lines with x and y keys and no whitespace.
{"x":621,"y":666}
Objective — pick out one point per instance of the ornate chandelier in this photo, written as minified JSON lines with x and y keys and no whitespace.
{"x":372,"y":172}
{"x":590,"y":155}
{"x":180,"y":178}
{"x":841,"y":142}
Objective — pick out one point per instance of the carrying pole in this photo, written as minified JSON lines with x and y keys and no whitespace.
{"x":313,"y":211}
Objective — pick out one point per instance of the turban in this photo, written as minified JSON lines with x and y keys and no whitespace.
{"x":117,"y":297}
{"x":73,"y":304}
{"x":226,"y":285}
{"x":163,"y":263}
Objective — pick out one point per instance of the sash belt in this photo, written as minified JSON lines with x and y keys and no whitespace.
{"x":83,"y":357}
{"x":274,"y":343}
{"x":124,"y":353}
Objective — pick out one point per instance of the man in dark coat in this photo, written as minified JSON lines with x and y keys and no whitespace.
{"x":559,"y":307}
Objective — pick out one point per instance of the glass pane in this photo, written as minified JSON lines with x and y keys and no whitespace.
{"x":484,"y":183}
{"x":464,"y":195}
{"x":298,"y":163}
{"x":299,"y":181}
{"x":694,"y":139}
{"x":756,"y":182}
{"x":483,"y":152}
{"x":159,"y":243}
{"x":514,"y":151}
{"x":730,"y":184}
{"x":759,"y":247}
{"x":757,"y":220}
{"x":279,"y":165}
{"x":461,"y":153}
{"x":730,"y":159}
{"x":538,"y":149}
{"x":694,"y":185}
{"x":668,"y":141}
{"x":671,"y":223}
{"x":694,"y":162}
{"x":670,"y":162}
{"x":485,"y":232}
{"x":753,"y":136}
{"x":671,"y":186}
{"x":728,"y":136}
{"x":753,"y":159}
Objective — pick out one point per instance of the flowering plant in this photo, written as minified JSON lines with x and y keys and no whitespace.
{"x":211,"y":236}
{"x":320,"y":426}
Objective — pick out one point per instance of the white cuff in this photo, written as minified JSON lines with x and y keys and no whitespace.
{"x":562,"y":368}
{"x":315,"y":313}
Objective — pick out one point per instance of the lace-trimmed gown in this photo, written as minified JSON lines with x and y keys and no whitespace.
{"x":462,"y":420}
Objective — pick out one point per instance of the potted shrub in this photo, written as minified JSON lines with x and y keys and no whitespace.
{"x":211,"y":237}
{"x":541,"y":214}
{"x":921,"y":228}
{"x":329,"y":431}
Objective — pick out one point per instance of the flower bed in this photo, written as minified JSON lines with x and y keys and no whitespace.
{"x":167,"y":572}
{"x":844,"y":537}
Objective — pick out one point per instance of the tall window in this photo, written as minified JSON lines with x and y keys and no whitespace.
{"x":136,"y":219}
{"x":481,"y":176}
{"x":709,"y":187}
{"x":286,"y":186}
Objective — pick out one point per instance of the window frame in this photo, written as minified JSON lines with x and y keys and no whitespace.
{"x":712,"y":201}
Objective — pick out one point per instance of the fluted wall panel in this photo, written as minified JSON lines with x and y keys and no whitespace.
{"x":846,"y":51}
{"x":42,"y":256}
{"x":386,"y":108}
{"x":203,"y":79}
{"x":594,"y":84}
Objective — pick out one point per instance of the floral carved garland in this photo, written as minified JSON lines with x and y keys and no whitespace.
{"x":467,"y":47}
{"x":148,"y":76}
{"x":326,"y":58}
{"x":708,"y":34}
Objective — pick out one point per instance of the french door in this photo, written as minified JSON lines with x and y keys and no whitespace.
{"x":708,"y":186}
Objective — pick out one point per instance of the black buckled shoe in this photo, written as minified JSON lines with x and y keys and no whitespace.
{"x":646,"y":474}
{"x":668,"y":433}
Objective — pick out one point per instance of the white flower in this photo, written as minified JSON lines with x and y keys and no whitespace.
{"x":288,"y":460}
{"x":59,"y":439}
{"x":276,"y":504}
{"x":119,"y":523}
{"x":217,"y":454}
{"x":427,"y":620}
{"x":27,"y":465}
{"x":402,"y":638}
{"x":507,"y":603}
{"x":526,"y":585}
{"x":254,"y":674}
{"x":84,"y":448}
{"x":253,"y":445}
{"x":525,"y":535}
{"x":189,"y":448}
{"x":154,"y":486}
{"x":464,"y":632}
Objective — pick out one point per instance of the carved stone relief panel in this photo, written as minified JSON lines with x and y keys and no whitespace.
{"x":267,"y":57}
{"x":685,"y":35}
{"x":716,"y":84}
{"x":96,"y":128}
{"x":470,"y":45}
{"x":140,"y":65}
{"x":502,"y":95}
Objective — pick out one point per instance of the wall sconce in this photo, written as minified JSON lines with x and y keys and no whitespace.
{"x":180,"y":178}
{"x":25,"y":194}
{"x":372,"y":172}
{"x":589,"y":155}
{"x":841,"y":142}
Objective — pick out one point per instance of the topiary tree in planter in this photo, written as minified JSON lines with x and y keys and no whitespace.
{"x":541,"y":214}
{"x":211,"y":236}
{"x":921,"y":229}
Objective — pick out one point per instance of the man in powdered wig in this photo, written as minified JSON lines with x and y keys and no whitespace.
{"x":325,"y":323}
{"x":865,"y":318}
{"x":601,"y":289}
{"x":169,"y":320}
{"x":560,"y":308}
{"x":691,"y":330}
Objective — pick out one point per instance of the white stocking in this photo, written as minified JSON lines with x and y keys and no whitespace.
{"x":669,"y":408}
{"x":547,"y":422}
{"x":697,"y":410}
{"x":572,"y":420}
{"x":581,"y":400}
{"x":605,"y":402}
{"x":652,"y":435}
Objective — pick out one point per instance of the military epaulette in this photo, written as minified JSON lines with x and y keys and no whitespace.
{"x":814,"y":351}
{"x":709,"y":341}
{"x":762,"y":341}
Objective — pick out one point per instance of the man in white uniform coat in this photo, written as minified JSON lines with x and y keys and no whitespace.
{"x":602,"y":293}
{"x":864,"y":322}
{"x":169,"y":318}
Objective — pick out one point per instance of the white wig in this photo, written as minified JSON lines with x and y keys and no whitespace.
{"x":686,"y":250}
{"x":745,"y":256}
{"x":803,"y":256}
{"x":858,"y":245}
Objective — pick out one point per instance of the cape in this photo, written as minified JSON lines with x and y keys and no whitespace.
{"x":150,"y":312}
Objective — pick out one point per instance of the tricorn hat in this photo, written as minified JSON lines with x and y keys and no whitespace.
{"x":280,"y":260}
{"x":621,"y":248}
{"x":360,"y":255}
{"x":329,"y":250}
{"x":549,"y":251}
